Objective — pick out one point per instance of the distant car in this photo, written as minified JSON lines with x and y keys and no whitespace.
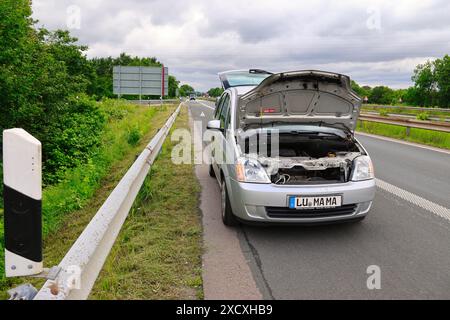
{"x":192,"y":97}
{"x":317,"y":171}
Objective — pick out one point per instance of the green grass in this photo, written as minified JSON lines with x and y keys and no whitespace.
{"x":158,"y":252}
{"x":423,"y":136}
{"x":78,"y":193}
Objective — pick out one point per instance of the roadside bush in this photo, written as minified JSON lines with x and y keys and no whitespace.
{"x":1,"y":185}
{"x":423,"y":116}
{"x":73,"y":139}
{"x":383,"y":112}
{"x":115,"y":113}
{"x":134,"y":135}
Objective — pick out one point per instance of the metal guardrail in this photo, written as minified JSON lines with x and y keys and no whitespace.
{"x":408,"y":123}
{"x":89,"y":252}
{"x":154,"y":102}
{"x":405,"y":107}
{"x":407,"y":116}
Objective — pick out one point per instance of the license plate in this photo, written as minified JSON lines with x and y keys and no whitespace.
{"x":315,"y":202}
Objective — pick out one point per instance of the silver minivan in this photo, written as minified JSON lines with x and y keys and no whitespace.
{"x":287,"y":151}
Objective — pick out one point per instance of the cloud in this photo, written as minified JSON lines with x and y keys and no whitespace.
{"x":375,"y":42}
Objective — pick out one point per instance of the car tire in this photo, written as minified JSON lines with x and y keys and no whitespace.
{"x":228,"y":217}
{"x":211,"y":172}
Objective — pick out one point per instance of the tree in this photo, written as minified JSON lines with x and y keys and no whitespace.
{"x":186,"y":90}
{"x":62,"y":46}
{"x":42,"y":74}
{"x":34,"y":81}
{"x":411,"y":96}
{"x":173,"y":86}
{"x":363,"y":91}
{"x":424,"y":83}
{"x":102,"y":85}
{"x":442,"y":79}
{"x":215,"y":92}
{"x":382,"y":95}
{"x":103,"y":68}
{"x":398,"y":96}
{"x":431,"y":83}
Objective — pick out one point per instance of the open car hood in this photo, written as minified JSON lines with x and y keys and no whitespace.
{"x":303,"y":97}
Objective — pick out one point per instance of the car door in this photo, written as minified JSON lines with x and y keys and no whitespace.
{"x":216,"y":115}
{"x":222,"y":114}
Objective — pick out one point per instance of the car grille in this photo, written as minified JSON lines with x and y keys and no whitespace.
{"x":283,"y":212}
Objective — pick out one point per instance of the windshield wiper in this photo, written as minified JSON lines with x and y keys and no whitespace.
{"x":313,"y":134}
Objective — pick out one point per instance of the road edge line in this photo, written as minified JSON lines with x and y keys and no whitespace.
{"x":410,"y":197}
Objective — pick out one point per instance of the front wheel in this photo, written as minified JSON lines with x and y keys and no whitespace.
{"x":228,"y":217}
{"x":212,"y":174}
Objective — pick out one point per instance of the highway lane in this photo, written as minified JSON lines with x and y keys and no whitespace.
{"x":418,"y":170}
{"x":409,"y":244}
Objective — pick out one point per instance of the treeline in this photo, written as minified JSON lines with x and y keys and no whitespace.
{"x":431,"y":87}
{"x":49,"y":87}
{"x":97,"y":73}
{"x":215,"y":92}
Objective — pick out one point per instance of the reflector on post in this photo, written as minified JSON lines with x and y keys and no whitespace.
{"x":22,"y":179}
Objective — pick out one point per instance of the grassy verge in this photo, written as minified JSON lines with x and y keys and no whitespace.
{"x":158,"y":252}
{"x":69,"y":205}
{"x":428,"y":137}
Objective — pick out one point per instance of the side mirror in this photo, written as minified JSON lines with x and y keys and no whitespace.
{"x":214,"y":125}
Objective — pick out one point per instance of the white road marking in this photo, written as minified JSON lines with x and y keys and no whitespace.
{"x":415,"y":199}
{"x":205,"y":105}
{"x":412,"y":144}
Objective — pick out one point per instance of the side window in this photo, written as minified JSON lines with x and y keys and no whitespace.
{"x":228,"y":120}
{"x":224,"y":110}
{"x":219,"y":106}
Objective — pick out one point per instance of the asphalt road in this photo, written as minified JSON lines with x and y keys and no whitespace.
{"x":409,"y":244}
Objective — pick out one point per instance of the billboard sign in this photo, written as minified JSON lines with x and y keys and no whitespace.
{"x":140,"y":81}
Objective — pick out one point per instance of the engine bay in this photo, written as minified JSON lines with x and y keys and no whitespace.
{"x":306,"y":157}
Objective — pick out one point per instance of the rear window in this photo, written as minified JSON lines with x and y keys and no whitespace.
{"x":242,"y":78}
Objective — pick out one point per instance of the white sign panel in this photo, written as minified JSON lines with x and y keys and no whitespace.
{"x":140,"y":80}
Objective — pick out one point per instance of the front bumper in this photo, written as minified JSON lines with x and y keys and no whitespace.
{"x":250,"y":201}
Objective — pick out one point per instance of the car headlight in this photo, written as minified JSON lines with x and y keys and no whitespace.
{"x":250,"y":170}
{"x":362,"y":169}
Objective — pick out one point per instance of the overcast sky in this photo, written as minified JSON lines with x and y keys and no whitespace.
{"x":374,"y":42}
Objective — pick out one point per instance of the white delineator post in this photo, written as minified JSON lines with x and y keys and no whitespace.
{"x":22,"y":192}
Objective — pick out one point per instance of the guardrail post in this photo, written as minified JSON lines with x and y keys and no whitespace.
{"x":408,"y":131}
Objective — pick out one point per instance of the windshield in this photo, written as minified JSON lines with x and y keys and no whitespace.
{"x":243,"y":78}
